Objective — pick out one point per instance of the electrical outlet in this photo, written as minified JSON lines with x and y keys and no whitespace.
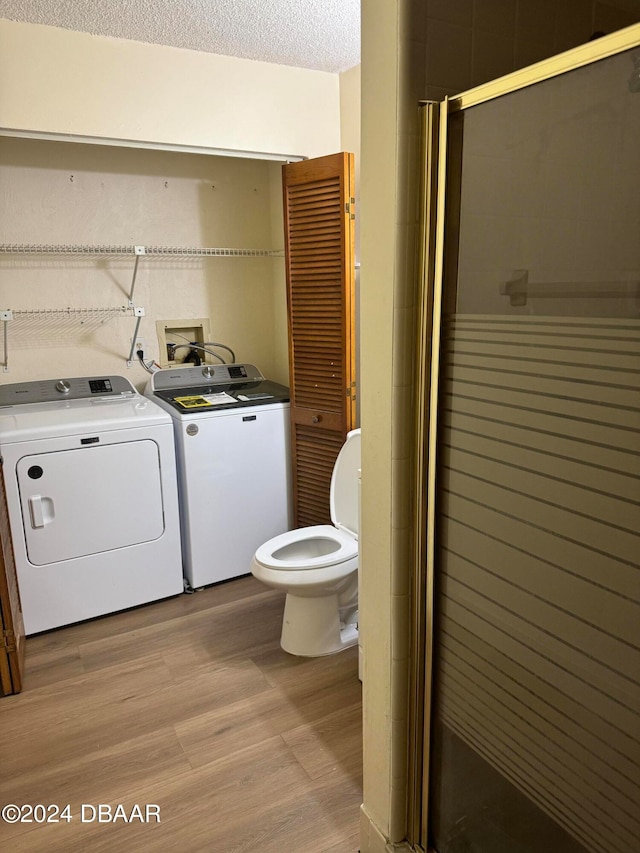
{"x":140,"y":345}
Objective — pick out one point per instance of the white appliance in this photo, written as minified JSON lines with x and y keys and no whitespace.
{"x":232,"y":450}
{"x":90,"y":475}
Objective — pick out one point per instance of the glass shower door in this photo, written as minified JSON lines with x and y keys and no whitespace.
{"x":535,"y":726}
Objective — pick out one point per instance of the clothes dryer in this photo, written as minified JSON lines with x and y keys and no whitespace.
{"x":233,"y":456}
{"x":89,"y":470}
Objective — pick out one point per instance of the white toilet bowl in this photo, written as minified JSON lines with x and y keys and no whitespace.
{"x":318,"y":568}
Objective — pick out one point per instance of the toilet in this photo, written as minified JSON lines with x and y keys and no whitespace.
{"x":318,"y":568}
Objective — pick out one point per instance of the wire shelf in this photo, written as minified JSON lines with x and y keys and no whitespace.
{"x":47,"y":326}
{"x":139,"y":251}
{"x":74,"y":314}
{"x":51,"y":326}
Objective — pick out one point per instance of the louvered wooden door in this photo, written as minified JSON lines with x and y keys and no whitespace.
{"x":320,"y":264}
{"x":11,"y":623}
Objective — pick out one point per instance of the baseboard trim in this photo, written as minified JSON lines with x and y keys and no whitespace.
{"x":373,"y":841}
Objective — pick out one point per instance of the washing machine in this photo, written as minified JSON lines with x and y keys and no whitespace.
{"x":90,"y":476}
{"x":232,"y":451}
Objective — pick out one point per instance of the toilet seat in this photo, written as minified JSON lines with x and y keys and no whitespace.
{"x":288,"y":551}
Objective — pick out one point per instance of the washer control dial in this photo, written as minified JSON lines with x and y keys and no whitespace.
{"x":63,"y":386}
{"x":208,"y":370}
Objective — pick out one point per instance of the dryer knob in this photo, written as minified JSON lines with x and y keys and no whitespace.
{"x":63,"y":386}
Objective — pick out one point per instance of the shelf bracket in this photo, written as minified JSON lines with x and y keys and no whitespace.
{"x":139,"y":251}
{"x":6,"y":317}
{"x":138,"y":314}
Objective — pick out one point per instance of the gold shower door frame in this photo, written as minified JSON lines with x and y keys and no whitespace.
{"x":433,"y":246}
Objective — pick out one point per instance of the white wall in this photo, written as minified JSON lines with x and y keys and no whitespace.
{"x":69,"y":193}
{"x":59,"y":81}
{"x":60,"y":84}
{"x":350,"y":110}
{"x":280,"y":332}
{"x":378,"y":244}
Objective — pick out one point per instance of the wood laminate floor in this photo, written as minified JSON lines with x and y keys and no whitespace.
{"x":189,"y":705}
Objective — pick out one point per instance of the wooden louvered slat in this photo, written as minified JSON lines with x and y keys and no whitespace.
{"x":319,"y":185}
{"x":327,"y":402}
{"x":306,"y":229}
{"x":309,"y":314}
{"x":325,"y":370}
{"x":322,"y":337}
{"x":312,"y":227}
{"x":314,"y":190}
{"x":305,"y":304}
{"x":319,"y":250}
{"x":318,"y":204}
{"x":328,"y":381}
{"x":325,"y":271}
{"x":312,"y":323}
{"x":310,"y":387}
{"x":307,"y":366}
{"x":326,"y":252}
{"x":322,"y":234}
{"x":318,"y":274}
{"x":310,"y":240}
{"x":326,"y":377}
{"x":316,"y":453}
{"x":319,"y":208}
{"x":329,"y":260}
{"x":305,"y":310}
{"x":325,"y":386}
{"x":306,"y":189}
{"x":326,"y":350}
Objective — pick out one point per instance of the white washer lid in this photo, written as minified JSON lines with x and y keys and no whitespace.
{"x":343,"y":495}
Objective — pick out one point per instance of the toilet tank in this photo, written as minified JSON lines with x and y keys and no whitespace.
{"x":344,"y":485}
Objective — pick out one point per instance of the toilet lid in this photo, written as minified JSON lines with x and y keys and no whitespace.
{"x":344,"y":485}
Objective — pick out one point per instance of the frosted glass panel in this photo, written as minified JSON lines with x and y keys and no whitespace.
{"x":550,"y":201}
{"x":536,"y":738}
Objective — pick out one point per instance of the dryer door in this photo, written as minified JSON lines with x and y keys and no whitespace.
{"x":87,"y":500}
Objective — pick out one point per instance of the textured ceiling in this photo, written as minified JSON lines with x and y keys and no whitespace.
{"x":319,"y":34}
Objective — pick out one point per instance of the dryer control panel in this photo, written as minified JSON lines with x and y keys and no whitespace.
{"x":75,"y":388}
